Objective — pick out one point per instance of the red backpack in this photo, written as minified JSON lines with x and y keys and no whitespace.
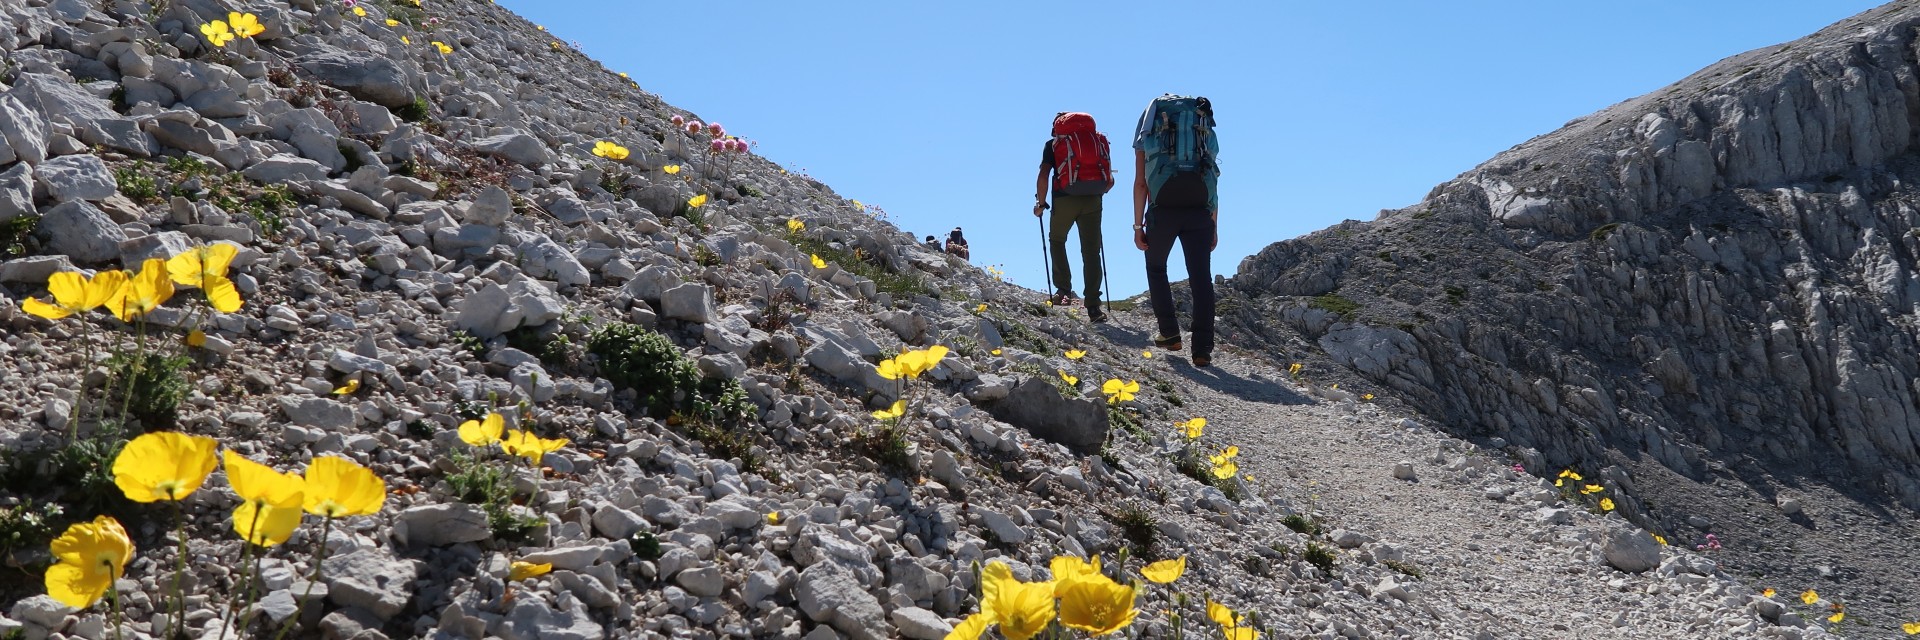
{"x":1081,"y":166}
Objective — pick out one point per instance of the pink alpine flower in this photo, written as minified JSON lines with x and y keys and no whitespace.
{"x":718,"y":146}
{"x":694,"y":127}
{"x":679,"y":122}
{"x":716,"y":129}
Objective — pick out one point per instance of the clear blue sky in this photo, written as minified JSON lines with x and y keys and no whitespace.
{"x":1327,"y":111}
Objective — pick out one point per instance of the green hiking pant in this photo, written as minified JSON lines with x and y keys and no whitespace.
{"x":1069,"y":211}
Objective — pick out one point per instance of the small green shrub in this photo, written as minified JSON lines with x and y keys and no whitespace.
{"x":1456,"y":295}
{"x":490,"y":487}
{"x":16,"y":236}
{"x":1139,"y":527}
{"x":1600,"y":233}
{"x":646,"y":546}
{"x":136,"y":184}
{"x":887,"y":444}
{"x":1336,"y":304}
{"x":150,"y":385}
{"x":1302,"y":524}
{"x":1405,"y":568}
{"x":28,"y":526}
{"x":1320,"y":557}
{"x":748,"y":190}
{"x":416,"y":111}
{"x":632,"y":357}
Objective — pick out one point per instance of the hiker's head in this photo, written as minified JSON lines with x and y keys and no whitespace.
{"x":956,"y":235}
{"x":932,"y":239}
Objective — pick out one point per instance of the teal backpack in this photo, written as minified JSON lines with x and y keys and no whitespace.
{"x":1176,"y":133}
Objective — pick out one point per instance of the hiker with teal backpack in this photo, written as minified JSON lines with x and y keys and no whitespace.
{"x":1176,"y":196}
{"x":1075,"y":165}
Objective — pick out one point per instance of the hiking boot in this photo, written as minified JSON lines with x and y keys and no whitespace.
{"x":1203,"y":361}
{"x":1171,"y":343}
{"x":1096,"y":316}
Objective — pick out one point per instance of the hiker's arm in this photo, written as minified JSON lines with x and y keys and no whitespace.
{"x":1140,"y":199}
{"x":1040,"y":192}
{"x":1216,"y":228}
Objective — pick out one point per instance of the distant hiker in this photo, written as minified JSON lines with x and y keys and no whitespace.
{"x":957,"y":244}
{"x":934,"y":243}
{"x":1176,"y":196}
{"x":1081,"y":172}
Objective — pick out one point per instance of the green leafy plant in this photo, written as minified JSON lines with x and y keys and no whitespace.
{"x":150,"y":385}
{"x":1302,"y":524}
{"x":491,"y":487}
{"x":28,"y":525}
{"x":136,"y":183}
{"x":1138,"y":526}
{"x":1336,"y":304}
{"x":1320,"y":557}
{"x":16,"y":236}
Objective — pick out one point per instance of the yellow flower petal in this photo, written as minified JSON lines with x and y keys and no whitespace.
{"x":92,"y":555}
{"x":1837,"y":616}
{"x":1767,"y":593}
{"x":817,"y":262}
{"x":532,"y":447}
{"x":671,"y":169}
{"x":245,"y":25}
{"x":1809,"y":597}
{"x":898,"y":409}
{"x":483,"y":432}
{"x":971,"y":628}
{"x":163,"y":465}
{"x":351,"y":387}
{"x":1096,"y":604}
{"x":524,"y":570}
{"x":338,"y":487}
{"x":1606,"y":504}
{"x":1165,"y":571}
{"x":696,"y":201}
{"x":1075,"y":354}
{"x":1912,"y":628}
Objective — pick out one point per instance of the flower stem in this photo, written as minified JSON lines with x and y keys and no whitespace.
{"x":113,"y":599}
{"x":179,"y":571}
{"x":319,"y":562}
{"x":246,"y":549}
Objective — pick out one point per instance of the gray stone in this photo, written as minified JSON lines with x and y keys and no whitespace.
{"x":691,"y":301}
{"x":1630,"y":550}
{"x":16,"y":192}
{"x":1001,"y":526}
{"x":617,"y":523}
{"x":33,"y":269}
{"x":490,"y":207}
{"x":322,"y":413}
{"x":371,"y":579}
{"x":345,"y":361}
{"x":920,"y":624}
{"x":285,"y":168}
{"x":705,"y":582}
{"x":534,"y":619}
{"x":352,"y":623}
{"x":650,"y":282}
{"x":80,"y":231}
{"x":40,"y":610}
{"x":164,"y":245}
{"x":1346,"y":539}
{"x":23,"y":134}
{"x":1038,"y":407}
{"x":1403,"y":470}
{"x":118,"y":134}
{"x":439,"y":525}
{"x":830,"y":595}
{"x":587,"y":588}
{"x":81,"y":177}
{"x":374,"y":79}
{"x":518,"y":148}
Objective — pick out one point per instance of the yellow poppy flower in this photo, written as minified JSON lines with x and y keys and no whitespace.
{"x":1592,"y":488}
{"x":996,"y":352}
{"x":1066,"y":568}
{"x":1606,"y":504}
{"x":980,"y":309}
{"x":217,"y":33}
{"x":392,"y":22}
{"x":92,"y":555}
{"x":610,"y":150}
{"x":1809,"y":597}
{"x":1767,"y":592}
{"x":898,"y":409}
{"x":817,"y":262}
{"x":1663,"y":542}
{"x":163,"y":465}
{"x":1075,"y":354}
{"x":1570,"y":475}
{"x":1071,"y":380}
{"x":143,"y":292}
{"x":527,"y":445}
{"x":671,"y":169}
{"x":523,"y":570}
{"x":1912,"y":628}
{"x":483,"y":432}
{"x":349,"y":388}
{"x":972,"y":628}
{"x":1293,"y":369}
{"x":1837,"y":616}
{"x":197,"y":339}
{"x":338,"y":487}
{"x":404,"y":40}
{"x":245,"y":25}
{"x":1022,"y":609}
{"x":890,"y":369}
{"x":1117,"y":391}
{"x":1225,"y":469}
{"x":1220,"y":614}
{"x":1193,"y":428}
{"x":916,"y":362}
{"x":773,"y":517}
{"x":359,"y":12}
{"x":1165,"y":571}
{"x":1367,"y":398}
{"x":696,"y":201}
{"x":75,"y":293}
{"x":269,"y":510}
{"x":794,"y":225}
{"x":442,"y":47}
{"x":1146,"y":354}
{"x":1096,"y":604}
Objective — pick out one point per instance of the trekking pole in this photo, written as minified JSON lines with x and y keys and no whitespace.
{"x":1045,"y":258}
{"x":1106,"y":279}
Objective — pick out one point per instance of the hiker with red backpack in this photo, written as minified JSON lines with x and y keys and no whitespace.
{"x":1076,"y":167}
{"x":1176,"y":196}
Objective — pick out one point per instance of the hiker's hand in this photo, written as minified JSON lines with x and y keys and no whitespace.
{"x":1216,"y":241}
{"x":1140,"y":239}
{"x":1037,"y":208}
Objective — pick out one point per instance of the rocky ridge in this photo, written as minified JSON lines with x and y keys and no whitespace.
{"x":426,"y":235}
{"x":1708,"y":290}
